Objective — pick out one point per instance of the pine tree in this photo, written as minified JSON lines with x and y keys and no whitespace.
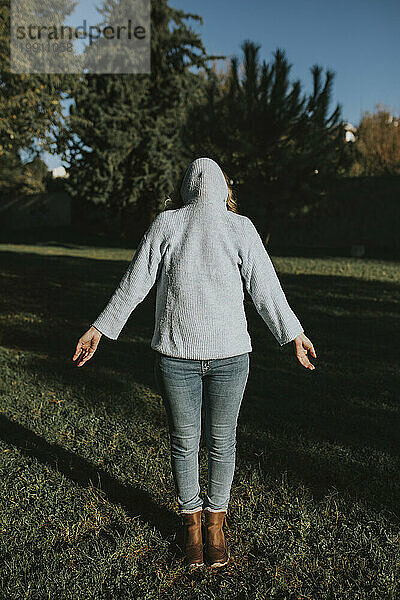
{"x":269,"y":137}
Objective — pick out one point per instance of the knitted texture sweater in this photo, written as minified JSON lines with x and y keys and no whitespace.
{"x":200,"y":255}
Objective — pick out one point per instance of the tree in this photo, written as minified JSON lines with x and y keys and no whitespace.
{"x":270,"y":138}
{"x":377,"y":146}
{"x":30,"y":103}
{"x":12,"y":176}
{"x":124,"y":132}
{"x":17,"y":178}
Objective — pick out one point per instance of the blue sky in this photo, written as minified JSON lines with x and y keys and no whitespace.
{"x":359,"y":40}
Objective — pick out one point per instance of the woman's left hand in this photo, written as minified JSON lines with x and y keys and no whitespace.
{"x":301,"y":346}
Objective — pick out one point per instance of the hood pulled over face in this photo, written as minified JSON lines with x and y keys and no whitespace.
{"x":204,"y":183}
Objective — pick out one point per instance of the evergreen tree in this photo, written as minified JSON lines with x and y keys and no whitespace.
{"x":124,"y":132}
{"x":270,"y":139}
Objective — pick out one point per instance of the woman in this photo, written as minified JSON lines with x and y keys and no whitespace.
{"x":200,"y":254}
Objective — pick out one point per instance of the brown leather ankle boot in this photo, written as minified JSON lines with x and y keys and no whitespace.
{"x":216,"y":549}
{"x":192,"y":541}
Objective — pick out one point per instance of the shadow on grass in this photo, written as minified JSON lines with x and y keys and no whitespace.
{"x":136,"y":501}
{"x":336,"y":426}
{"x":64,"y":236}
{"x":83,"y":236}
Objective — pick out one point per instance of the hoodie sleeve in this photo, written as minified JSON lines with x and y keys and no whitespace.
{"x":264,"y":287}
{"x":136,"y":282}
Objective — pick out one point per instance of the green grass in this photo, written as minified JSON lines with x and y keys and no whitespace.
{"x":88,"y":505}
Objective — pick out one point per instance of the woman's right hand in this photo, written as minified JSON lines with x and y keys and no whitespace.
{"x":87,"y":346}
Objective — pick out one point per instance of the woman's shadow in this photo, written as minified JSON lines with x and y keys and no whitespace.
{"x":137,"y":502}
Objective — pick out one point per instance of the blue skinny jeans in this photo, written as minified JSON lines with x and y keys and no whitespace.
{"x":182,"y":384}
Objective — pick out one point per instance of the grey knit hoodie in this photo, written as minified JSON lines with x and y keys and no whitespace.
{"x":200,"y":255}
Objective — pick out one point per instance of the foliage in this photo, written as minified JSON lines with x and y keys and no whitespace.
{"x":30,"y":103}
{"x":123,"y":135}
{"x":18,"y":178}
{"x":377,"y":146}
{"x":280,"y":147}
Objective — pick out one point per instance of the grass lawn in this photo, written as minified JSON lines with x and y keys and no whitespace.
{"x":88,"y":505}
